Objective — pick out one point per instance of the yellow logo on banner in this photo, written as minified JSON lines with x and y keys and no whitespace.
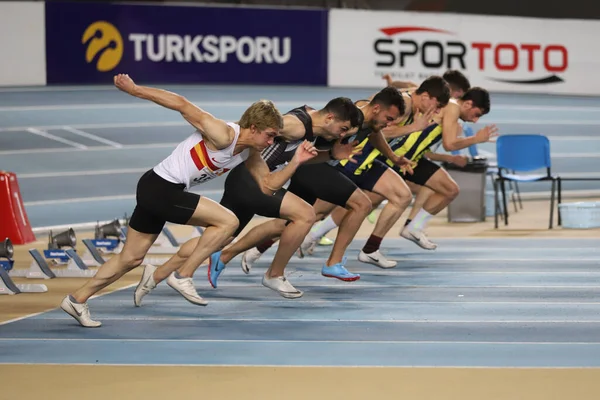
{"x":104,"y":45}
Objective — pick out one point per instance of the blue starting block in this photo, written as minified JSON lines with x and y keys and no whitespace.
{"x":108,"y":244}
{"x":7,"y":265}
{"x":59,"y":255}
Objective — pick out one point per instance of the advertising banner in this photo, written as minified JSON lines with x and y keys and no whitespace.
{"x":507,"y":54}
{"x":90,"y":42}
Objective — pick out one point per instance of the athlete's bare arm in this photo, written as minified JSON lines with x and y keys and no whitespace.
{"x":399,"y":84}
{"x":270,"y":182}
{"x":451,"y":128}
{"x":215,"y":131}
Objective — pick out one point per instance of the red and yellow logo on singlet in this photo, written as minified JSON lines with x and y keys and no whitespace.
{"x":202,"y":160}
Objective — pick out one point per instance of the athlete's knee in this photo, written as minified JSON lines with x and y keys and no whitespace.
{"x":401,"y":197}
{"x":228,"y":224}
{"x":452,"y":190}
{"x":360,"y":202}
{"x":130,"y":259}
{"x":305,"y":215}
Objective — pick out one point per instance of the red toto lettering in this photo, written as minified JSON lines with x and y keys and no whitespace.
{"x":530,"y":49}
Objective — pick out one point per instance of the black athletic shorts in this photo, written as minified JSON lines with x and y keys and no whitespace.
{"x":245,"y":199}
{"x":368,"y":178}
{"x":159,"y":201}
{"x":321,"y":181}
{"x":422,"y":172}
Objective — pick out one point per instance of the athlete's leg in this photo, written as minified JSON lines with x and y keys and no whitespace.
{"x":446,"y":190}
{"x":158,"y":201}
{"x":389,"y":184}
{"x":180,"y":268}
{"x":268,"y":230}
{"x":334,"y":219}
{"x":359,"y":206}
{"x":326,"y":183}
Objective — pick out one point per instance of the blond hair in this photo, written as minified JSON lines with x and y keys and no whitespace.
{"x":262,"y":114}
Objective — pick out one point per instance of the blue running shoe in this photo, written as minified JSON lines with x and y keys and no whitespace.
{"x":215,"y":267}
{"x":340,"y":272}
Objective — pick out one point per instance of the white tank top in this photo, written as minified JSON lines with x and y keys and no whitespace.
{"x":192,"y":163}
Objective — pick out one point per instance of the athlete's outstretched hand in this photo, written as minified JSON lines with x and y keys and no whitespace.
{"x":125,"y":83}
{"x":485,"y":134}
{"x":345,"y":151}
{"x":305,"y":152}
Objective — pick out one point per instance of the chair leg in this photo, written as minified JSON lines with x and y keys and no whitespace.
{"x":513,"y":197}
{"x":552,"y":204}
{"x":496,"y":204}
{"x":518,"y":192}
{"x":503,"y":188}
{"x":559,"y":199}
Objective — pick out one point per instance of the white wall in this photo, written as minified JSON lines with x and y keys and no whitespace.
{"x":22,"y":44}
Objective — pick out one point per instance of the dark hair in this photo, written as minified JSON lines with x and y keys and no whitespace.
{"x":344,"y":110}
{"x":389,"y":96}
{"x":436,"y":87}
{"x":480,"y":98}
{"x":457,"y":80}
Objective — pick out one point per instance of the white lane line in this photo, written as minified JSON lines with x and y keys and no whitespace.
{"x":92,"y":136}
{"x":83,"y":173}
{"x":98,"y":198}
{"x":94,"y":148}
{"x":106,"y":125}
{"x":47,"y":135}
{"x":244,"y":341}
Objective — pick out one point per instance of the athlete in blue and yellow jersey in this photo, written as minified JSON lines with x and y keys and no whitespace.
{"x":469,"y":108}
{"x":444,"y":130}
{"x":378,"y":179}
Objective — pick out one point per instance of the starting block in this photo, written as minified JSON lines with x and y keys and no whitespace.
{"x":7,"y":286}
{"x":98,"y":259}
{"x":41,"y":268}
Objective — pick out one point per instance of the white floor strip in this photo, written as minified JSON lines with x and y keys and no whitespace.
{"x":98,"y":198}
{"x":47,"y":135}
{"x":92,"y":136}
{"x":83,"y":173}
{"x":106,"y":125}
{"x":283,"y":341}
{"x":93,"y":148}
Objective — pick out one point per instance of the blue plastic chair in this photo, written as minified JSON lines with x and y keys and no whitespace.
{"x":492,"y":170}
{"x":525,"y":154}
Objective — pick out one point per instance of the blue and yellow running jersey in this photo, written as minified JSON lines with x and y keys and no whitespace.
{"x":412,"y":146}
{"x":369,"y":153}
{"x":415,"y":145}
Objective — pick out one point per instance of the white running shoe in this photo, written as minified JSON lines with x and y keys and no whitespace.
{"x":80,"y":312}
{"x":419,"y":238}
{"x":376,"y":258}
{"x":186,"y":288}
{"x":145,"y":286}
{"x":249,"y":258}
{"x":307,"y":247}
{"x":281,"y":285}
